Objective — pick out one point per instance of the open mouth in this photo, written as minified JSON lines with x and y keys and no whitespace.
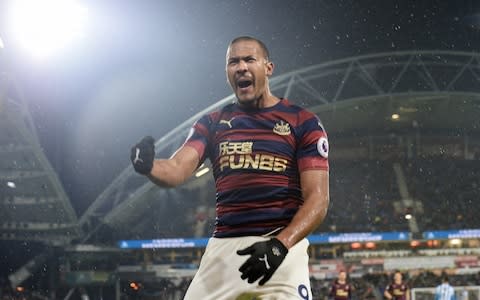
{"x":244,"y":83}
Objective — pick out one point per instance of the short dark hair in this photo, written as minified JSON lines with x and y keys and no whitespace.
{"x":249,"y":38}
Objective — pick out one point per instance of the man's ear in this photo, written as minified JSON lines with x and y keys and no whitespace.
{"x":270,"y":67}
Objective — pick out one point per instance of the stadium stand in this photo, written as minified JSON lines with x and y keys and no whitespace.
{"x":449,"y":190}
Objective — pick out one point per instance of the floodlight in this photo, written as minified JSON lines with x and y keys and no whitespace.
{"x":42,"y":27}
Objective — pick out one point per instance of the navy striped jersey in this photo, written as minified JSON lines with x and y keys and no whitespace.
{"x":257,"y":156}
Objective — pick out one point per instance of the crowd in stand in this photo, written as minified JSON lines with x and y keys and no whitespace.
{"x":444,"y":192}
{"x":362,"y":193}
{"x":449,"y":191}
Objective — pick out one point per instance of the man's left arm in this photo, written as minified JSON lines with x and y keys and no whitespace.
{"x":315,"y":191}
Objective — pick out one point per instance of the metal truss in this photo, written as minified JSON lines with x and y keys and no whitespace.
{"x":33,"y":203}
{"x":382,"y":76}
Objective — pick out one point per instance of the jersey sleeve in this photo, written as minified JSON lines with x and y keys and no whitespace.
{"x":332,"y":290}
{"x":199,"y":137}
{"x":313,"y":148}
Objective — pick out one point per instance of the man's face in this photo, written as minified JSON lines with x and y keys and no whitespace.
{"x":342,"y":276}
{"x":397,"y":277}
{"x":247,"y":71}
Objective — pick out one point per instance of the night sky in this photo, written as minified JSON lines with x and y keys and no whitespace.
{"x":146,"y":66}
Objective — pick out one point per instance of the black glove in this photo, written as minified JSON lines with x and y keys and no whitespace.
{"x":142,"y":155}
{"x":264,"y":260}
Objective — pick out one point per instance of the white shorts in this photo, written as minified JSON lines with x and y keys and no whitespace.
{"x":218,"y":277}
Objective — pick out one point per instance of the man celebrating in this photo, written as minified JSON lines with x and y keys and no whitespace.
{"x":270,"y":167}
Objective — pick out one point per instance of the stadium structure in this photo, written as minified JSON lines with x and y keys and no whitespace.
{"x":404,"y":130}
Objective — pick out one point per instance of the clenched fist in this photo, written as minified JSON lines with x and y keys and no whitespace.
{"x":142,"y":155}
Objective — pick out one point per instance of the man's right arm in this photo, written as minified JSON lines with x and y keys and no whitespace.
{"x":164,"y":172}
{"x":387,"y":294}
{"x":175,"y":170}
{"x":332,"y":291}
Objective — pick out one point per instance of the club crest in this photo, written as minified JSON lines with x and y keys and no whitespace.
{"x":282,"y":128}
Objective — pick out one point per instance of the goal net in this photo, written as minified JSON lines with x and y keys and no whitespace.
{"x":461,"y":293}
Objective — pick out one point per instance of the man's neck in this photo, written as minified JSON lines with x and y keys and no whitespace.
{"x":262,"y":102}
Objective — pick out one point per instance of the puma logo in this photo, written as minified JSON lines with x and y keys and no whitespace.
{"x":229,"y":122}
{"x":137,"y":158}
{"x":264,"y":259}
